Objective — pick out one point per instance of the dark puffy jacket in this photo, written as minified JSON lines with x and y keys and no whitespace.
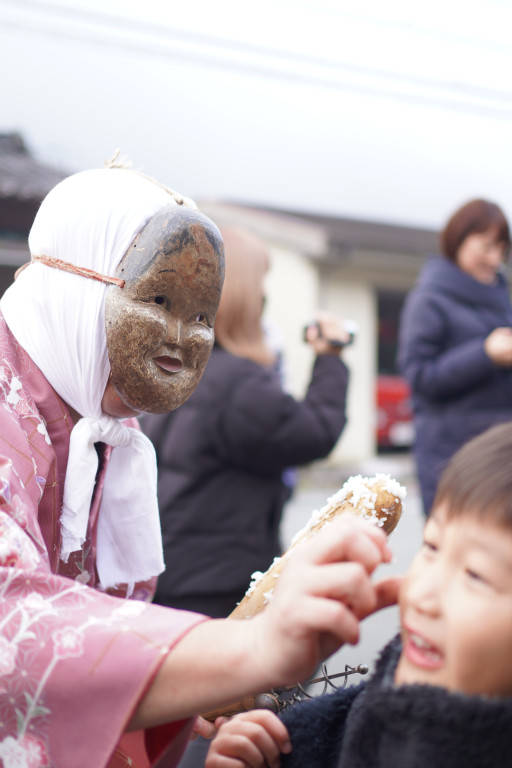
{"x":457,"y":390}
{"x":221,"y":456}
{"x":380,"y":725}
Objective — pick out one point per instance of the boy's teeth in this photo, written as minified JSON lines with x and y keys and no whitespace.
{"x":428,"y":650}
{"x":420,"y":642}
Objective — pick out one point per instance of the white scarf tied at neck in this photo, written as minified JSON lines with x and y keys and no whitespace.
{"x":128,"y":540}
{"x":90,"y":220}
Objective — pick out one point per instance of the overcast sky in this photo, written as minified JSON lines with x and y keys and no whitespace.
{"x":392,"y":111}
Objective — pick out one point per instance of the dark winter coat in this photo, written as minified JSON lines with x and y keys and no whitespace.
{"x":457,"y":391}
{"x":380,"y":725}
{"x":221,"y":456}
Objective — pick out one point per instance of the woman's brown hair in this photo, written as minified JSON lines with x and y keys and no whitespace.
{"x":238,"y":326}
{"x":474,"y":217}
{"x":478,"y":480}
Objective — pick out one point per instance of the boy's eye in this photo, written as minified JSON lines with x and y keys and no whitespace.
{"x":429,"y":545}
{"x":480,"y":578}
{"x":473,"y":575}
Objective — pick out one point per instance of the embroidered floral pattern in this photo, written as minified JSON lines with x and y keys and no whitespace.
{"x":28,"y":625}
{"x":12,"y":391}
{"x":84,"y":577}
{"x":7,"y":656}
{"x":5,"y":487}
{"x":16,"y":549}
{"x":68,"y":643}
{"x":19,"y":511}
{"x":27,"y":752}
{"x":127,"y":609}
{"x":13,"y":396}
{"x":41,"y":428}
{"x":36,"y":603}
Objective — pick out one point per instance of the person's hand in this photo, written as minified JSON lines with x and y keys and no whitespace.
{"x":326,"y":328}
{"x":203,"y":728}
{"x":498,"y":346}
{"x":255,"y":739}
{"x":322,"y":594}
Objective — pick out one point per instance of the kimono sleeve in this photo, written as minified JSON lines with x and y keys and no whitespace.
{"x":74,"y":662}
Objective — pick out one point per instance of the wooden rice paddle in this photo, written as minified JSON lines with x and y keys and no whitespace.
{"x":377,"y":499}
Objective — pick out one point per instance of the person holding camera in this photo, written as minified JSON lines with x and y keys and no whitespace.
{"x":222,"y":454}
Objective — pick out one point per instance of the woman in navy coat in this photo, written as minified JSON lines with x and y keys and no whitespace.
{"x":455,"y":340}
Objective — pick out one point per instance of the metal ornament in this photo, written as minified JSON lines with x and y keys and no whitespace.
{"x":283,"y":697}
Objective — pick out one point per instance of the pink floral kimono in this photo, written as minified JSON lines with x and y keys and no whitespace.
{"x":74,"y":661}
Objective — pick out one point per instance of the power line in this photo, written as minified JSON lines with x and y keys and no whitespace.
{"x":225,"y":43}
{"x":116,"y":22}
{"x":340,"y":12}
{"x":454,"y":96}
{"x":404,"y":26}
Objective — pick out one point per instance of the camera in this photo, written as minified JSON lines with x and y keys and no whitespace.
{"x":350,"y":327}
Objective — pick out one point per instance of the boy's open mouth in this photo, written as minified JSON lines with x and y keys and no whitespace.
{"x":422,"y":653}
{"x":170,"y":364}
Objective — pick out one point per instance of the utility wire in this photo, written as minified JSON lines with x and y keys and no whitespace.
{"x":335,"y":11}
{"x":137,"y":26}
{"x":454,"y":96}
{"x":225,"y":43}
{"x":408,"y":26}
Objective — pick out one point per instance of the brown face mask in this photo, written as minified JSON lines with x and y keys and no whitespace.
{"x":160,"y":325}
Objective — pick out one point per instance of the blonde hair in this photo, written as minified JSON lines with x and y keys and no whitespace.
{"x":238,"y":325}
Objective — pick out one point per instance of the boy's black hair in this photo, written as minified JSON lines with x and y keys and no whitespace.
{"x":478,"y":479}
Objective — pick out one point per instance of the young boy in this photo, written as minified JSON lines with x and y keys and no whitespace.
{"x":441,"y":694}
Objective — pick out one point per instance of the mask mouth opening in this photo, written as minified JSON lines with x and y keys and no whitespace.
{"x":168,"y":363}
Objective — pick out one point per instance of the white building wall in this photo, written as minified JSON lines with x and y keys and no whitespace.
{"x":292,"y":290}
{"x":354,"y":299}
{"x":295,"y":289}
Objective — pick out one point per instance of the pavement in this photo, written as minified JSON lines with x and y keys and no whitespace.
{"x":318,"y":482}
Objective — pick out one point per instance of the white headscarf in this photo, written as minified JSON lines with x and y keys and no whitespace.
{"x":90,"y":220}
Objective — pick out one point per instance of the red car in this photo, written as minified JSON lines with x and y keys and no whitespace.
{"x":395,"y":426}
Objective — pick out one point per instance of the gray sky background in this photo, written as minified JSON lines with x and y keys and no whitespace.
{"x":395,"y":111}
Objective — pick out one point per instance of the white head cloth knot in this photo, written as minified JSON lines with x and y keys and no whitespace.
{"x":90,"y":220}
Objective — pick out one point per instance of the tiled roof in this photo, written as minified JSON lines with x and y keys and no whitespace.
{"x":21,"y":176}
{"x":345,"y":233}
